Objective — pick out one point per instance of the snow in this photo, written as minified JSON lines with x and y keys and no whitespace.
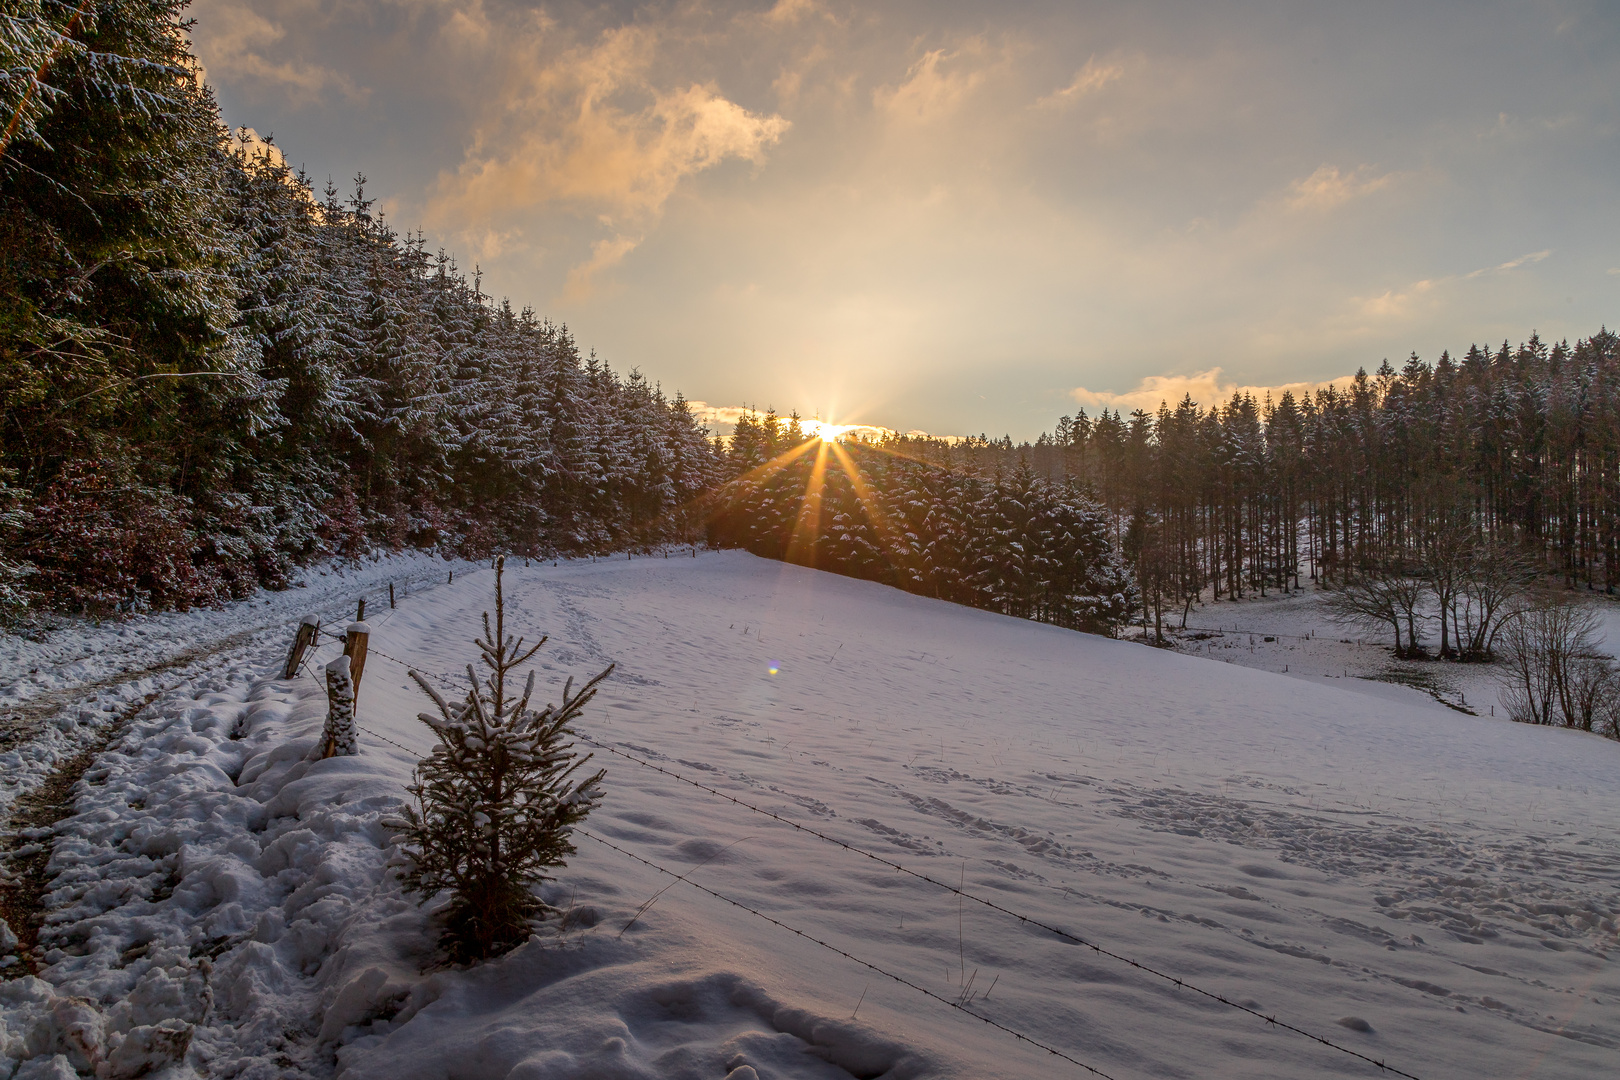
{"x":84,"y":673}
{"x":1291,"y":634}
{"x":1430,"y":889}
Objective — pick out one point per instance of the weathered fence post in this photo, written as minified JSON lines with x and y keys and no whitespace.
{"x":339,"y":738}
{"x":451,"y":580}
{"x":355,"y":639}
{"x":360,"y":611}
{"x":308,"y":630}
{"x":390,"y":596}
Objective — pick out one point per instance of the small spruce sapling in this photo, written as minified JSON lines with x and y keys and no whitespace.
{"x":497,"y":799}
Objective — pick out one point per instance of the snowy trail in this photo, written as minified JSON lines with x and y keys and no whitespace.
{"x":1428,"y":889}
{"x":58,"y":690}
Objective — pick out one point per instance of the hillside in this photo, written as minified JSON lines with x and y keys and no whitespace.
{"x":1430,"y":890}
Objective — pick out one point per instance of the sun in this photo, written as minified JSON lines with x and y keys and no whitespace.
{"x":821,"y":429}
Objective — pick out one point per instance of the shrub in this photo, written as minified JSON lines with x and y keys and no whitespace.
{"x":99,"y":540}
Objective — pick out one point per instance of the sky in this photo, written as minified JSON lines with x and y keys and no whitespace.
{"x":963,"y":218}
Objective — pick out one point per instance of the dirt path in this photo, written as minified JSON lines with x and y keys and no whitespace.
{"x":22,"y":722}
{"x":27,"y":841}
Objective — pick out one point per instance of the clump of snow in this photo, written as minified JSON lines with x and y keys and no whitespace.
{"x":1427,"y":888}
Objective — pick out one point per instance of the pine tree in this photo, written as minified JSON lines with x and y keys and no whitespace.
{"x":497,"y":799}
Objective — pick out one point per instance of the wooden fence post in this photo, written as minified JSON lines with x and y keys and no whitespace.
{"x":354,"y":647}
{"x":308,"y":630}
{"x":339,"y":737}
{"x":360,"y":611}
{"x":390,"y":596}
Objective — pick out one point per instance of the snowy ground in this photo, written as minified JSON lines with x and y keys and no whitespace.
{"x":59,"y":687}
{"x":1429,"y":889}
{"x":1292,"y":635}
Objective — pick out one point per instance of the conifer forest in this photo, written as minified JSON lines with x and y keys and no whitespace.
{"x":211,"y":372}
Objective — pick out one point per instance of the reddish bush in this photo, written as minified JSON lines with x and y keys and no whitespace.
{"x":100,"y":542}
{"x":344,"y":528}
{"x":477,"y":539}
{"x":429,"y":526}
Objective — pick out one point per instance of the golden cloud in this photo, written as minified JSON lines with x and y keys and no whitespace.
{"x":1088,"y":80}
{"x":1327,"y":187}
{"x":605,"y":254}
{"x":1207,"y":388}
{"x":591,"y":129}
{"x":934,"y":86}
{"x":1511,"y":264}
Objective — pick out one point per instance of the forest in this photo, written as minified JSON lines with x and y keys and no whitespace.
{"x":1003,"y":539}
{"x":1404,"y":471}
{"x":210,"y":372}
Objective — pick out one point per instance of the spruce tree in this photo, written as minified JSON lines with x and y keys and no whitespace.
{"x":497,"y":799}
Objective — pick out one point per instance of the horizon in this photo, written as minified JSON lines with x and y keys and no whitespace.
{"x":972,"y":219}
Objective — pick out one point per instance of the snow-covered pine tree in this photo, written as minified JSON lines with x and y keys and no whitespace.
{"x":497,"y":799}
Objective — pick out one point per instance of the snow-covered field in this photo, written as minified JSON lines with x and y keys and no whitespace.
{"x":1428,"y":889}
{"x":1291,"y":634}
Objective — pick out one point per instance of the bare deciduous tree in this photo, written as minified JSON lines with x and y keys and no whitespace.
{"x":1553,"y":673}
{"x":1384,"y":598}
{"x":1497,"y":578}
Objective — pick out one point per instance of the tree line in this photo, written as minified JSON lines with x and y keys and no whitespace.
{"x":209,"y":371}
{"x":1505,"y":462}
{"x":1006,"y":540}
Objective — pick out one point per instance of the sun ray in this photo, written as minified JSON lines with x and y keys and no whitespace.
{"x":713,"y":501}
{"x":915,"y":458}
{"x":808,"y":526}
{"x":893,"y":546}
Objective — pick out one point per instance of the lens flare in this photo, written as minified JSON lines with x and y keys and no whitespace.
{"x":775,"y":668}
{"x":821,"y":429}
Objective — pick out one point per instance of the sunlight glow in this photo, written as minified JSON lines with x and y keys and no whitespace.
{"x":826,"y":432}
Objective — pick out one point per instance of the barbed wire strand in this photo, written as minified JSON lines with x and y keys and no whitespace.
{"x":1147,"y":969}
{"x":902,"y":980}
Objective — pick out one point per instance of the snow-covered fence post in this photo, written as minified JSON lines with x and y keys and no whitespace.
{"x":354,"y":647}
{"x":339,"y":736}
{"x":308,"y":630}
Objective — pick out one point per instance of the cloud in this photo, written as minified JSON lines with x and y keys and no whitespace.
{"x":1087,"y":80}
{"x":486,"y":244}
{"x":1393,"y":303}
{"x":934,"y":86}
{"x":716,"y":417}
{"x":253,"y":145}
{"x":791,"y":11}
{"x":1399,"y":303}
{"x":591,"y":129}
{"x":605,"y":254}
{"x":1207,"y":388}
{"x":1511,"y":264}
{"x":1327,"y":187}
{"x":235,"y":39}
